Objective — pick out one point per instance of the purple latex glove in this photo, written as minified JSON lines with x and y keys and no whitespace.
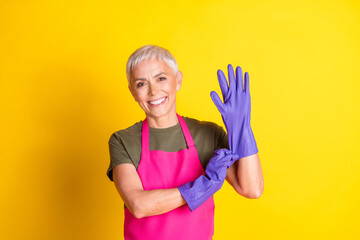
{"x":235,"y":111}
{"x":198,"y":191}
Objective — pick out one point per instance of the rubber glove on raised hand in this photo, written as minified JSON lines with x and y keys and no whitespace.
{"x":198,"y":191}
{"x":235,"y":111}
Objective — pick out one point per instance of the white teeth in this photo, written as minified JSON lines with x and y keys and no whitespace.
{"x":157,"y":102}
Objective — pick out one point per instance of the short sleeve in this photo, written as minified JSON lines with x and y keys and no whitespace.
{"x":118,"y":154}
{"x":208,"y":137}
{"x":222,"y":139}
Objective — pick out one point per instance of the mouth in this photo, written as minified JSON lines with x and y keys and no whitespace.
{"x":157,"y":101}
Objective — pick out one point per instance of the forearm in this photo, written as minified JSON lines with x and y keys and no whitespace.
{"x":250,"y":177}
{"x":154,"y":202}
{"x":140,"y":202}
{"x":246,"y":177}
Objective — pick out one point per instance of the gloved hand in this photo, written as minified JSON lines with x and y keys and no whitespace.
{"x":235,"y":111}
{"x":198,"y":191}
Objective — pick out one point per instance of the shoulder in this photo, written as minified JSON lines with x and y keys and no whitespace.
{"x":132,"y":132}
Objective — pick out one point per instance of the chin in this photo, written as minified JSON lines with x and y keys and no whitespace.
{"x":157,"y":115}
{"x":159,"y":112}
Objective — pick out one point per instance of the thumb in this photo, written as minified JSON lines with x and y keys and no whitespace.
{"x":218,"y":103}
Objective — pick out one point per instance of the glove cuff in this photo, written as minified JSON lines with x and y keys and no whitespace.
{"x":245,"y":145}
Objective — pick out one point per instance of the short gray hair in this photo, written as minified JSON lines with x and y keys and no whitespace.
{"x":150,"y":52}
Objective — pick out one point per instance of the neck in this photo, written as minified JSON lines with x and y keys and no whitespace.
{"x":163,"y":122}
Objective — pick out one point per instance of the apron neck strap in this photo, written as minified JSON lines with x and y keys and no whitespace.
{"x":145,"y":136}
{"x":185,"y":129}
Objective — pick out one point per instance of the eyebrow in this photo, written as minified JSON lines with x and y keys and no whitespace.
{"x":153,"y":76}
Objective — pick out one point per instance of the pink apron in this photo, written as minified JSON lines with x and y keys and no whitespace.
{"x":162,"y":170}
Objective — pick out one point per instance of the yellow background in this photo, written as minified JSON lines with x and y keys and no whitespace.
{"x":63,"y":92}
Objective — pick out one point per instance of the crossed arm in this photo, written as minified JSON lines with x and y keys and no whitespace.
{"x":140,"y":202}
{"x":245,"y":176}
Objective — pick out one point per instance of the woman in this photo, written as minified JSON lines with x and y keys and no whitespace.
{"x":167,"y":167}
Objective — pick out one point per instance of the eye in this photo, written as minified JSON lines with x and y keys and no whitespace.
{"x":162,"y":78}
{"x":140,"y":84}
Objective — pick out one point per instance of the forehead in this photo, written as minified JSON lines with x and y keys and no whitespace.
{"x":150,"y":66}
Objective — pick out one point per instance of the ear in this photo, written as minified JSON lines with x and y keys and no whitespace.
{"x":179,"y":77}
{"x":132,"y":93}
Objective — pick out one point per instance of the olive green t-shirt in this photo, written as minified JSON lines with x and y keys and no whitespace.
{"x":125,"y":145}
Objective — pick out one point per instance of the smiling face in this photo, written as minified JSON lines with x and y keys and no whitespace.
{"x":154,"y":85}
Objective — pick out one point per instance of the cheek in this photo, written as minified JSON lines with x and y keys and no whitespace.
{"x":171,"y":87}
{"x":139,"y":94}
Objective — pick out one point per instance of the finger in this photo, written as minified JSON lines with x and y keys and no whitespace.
{"x":216,"y":99}
{"x":232,"y":83}
{"x":223,"y":84}
{"x":247,"y":87}
{"x":239,"y":79}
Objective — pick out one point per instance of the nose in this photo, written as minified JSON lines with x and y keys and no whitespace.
{"x":153,"y":89}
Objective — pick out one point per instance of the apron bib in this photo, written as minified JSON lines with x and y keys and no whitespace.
{"x":163,"y":170}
